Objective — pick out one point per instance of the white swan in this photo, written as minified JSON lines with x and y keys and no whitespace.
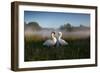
{"x":52,"y":41}
{"x":61,"y":41}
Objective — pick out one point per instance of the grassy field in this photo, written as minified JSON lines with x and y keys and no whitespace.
{"x":76,"y":49}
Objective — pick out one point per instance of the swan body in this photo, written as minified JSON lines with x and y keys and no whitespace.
{"x":61,"y":41}
{"x":51,"y":42}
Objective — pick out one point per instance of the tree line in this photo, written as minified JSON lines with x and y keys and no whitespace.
{"x":66,"y":27}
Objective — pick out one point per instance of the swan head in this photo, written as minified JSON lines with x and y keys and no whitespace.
{"x":60,"y":33}
{"x":52,"y":33}
{"x":53,"y":37}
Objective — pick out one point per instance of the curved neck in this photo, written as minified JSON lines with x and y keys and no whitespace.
{"x":60,"y":36}
{"x":53,"y":38}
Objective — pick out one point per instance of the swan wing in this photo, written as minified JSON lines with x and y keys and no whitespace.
{"x":48,"y":43}
{"x":63,"y":42}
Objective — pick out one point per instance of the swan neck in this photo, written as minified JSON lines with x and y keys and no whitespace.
{"x":60,"y":36}
{"x":53,"y":38}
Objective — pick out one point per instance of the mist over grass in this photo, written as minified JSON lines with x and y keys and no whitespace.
{"x":66,"y":34}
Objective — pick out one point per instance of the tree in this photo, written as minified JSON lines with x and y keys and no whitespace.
{"x":67,"y":27}
{"x":82,"y":25}
{"x":61,"y":27}
{"x":34,"y":25}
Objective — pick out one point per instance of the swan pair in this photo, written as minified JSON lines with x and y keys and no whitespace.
{"x":55,"y":41}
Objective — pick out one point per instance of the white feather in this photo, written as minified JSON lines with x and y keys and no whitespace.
{"x":50,"y":42}
{"x":60,"y":40}
{"x":63,"y":42}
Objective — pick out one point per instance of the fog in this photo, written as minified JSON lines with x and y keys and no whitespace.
{"x":66,"y":34}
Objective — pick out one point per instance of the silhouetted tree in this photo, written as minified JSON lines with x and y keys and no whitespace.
{"x":67,"y":27}
{"x":34,"y":25}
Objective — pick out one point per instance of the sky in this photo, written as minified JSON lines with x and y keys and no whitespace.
{"x":56,"y":19}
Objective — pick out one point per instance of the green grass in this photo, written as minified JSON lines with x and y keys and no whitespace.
{"x":76,"y":49}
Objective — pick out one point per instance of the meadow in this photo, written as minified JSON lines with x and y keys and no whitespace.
{"x":77,"y":48}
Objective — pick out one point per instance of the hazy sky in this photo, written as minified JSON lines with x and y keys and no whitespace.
{"x":56,"y":19}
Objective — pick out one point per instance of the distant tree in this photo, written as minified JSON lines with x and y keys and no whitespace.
{"x":34,"y":25}
{"x":82,"y":25}
{"x":61,"y":27}
{"x":67,"y":27}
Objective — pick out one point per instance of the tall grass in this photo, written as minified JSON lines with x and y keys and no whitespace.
{"x":78,"y":48}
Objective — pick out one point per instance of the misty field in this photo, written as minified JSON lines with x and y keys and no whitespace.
{"x":77,"y":48}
